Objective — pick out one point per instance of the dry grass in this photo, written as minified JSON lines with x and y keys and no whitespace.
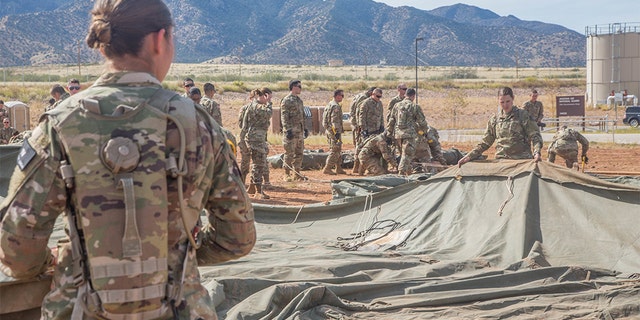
{"x":448,"y":100}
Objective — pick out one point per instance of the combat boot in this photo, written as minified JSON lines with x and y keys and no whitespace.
{"x":260,"y":194}
{"x":252,"y":188}
{"x":339,"y":170}
{"x":327,"y":170}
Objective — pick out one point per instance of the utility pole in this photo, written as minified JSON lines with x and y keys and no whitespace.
{"x":79,"y":72}
{"x":417,"y":39}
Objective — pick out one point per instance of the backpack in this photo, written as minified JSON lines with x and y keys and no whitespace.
{"x":119,"y":226}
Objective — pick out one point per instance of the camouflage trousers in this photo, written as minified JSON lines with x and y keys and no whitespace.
{"x":408,"y":154}
{"x":293,"y":154}
{"x":245,"y":159}
{"x":371,"y":161}
{"x":335,"y":152}
{"x":259,"y":151}
{"x":570,"y":156}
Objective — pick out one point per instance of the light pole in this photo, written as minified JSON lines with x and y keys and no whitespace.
{"x":417,"y":39}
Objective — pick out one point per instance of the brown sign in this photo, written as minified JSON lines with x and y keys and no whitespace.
{"x":569,"y":106}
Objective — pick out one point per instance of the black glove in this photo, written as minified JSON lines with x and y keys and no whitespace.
{"x":585,"y":159}
{"x":365,"y":133}
{"x":289,"y":134}
{"x":542,"y":124}
{"x":306,"y":133}
{"x":338,"y":136}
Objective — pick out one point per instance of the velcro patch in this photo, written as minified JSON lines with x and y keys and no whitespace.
{"x":27,"y":153}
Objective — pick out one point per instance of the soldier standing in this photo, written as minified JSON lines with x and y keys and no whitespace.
{"x":512,"y":129}
{"x":254,"y":131}
{"x":59,"y":94}
{"x":245,"y":154}
{"x":355,"y":128}
{"x":7,"y":132}
{"x":535,"y":108}
{"x":293,"y":130}
{"x":402,"y":90}
{"x":187,"y":83}
{"x":332,"y":122}
{"x":407,"y":122}
{"x":374,"y":150}
{"x":207,"y":102}
{"x":565,"y":144}
{"x":371,"y":115}
{"x":132,"y":166}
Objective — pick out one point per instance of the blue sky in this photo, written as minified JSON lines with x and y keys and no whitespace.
{"x":573,"y":14}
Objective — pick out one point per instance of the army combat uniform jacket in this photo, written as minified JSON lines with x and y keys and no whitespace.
{"x":213,"y":108}
{"x":514,"y":133}
{"x":38,"y":194}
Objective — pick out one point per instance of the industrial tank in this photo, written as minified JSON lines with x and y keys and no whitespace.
{"x":613,"y":63}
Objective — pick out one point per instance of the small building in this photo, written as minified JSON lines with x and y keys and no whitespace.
{"x":336,"y":63}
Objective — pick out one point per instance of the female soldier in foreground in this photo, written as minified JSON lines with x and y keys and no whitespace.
{"x":513,"y":131}
{"x":133,"y":165}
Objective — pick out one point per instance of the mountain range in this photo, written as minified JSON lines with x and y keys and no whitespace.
{"x":37,"y":32}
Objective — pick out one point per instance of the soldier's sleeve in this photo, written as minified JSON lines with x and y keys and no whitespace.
{"x":285,"y":114}
{"x":584,"y":142}
{"x":37,"y":196}
{"x":533,"y":132}
{"x":231,"y":232}
{"x":421,"y":120}
{"x":488,"y":139}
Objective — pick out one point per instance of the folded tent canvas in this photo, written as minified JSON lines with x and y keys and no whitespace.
{"x":493,"y":239}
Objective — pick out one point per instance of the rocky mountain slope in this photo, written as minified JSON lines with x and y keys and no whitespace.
{"x":303,"y":32}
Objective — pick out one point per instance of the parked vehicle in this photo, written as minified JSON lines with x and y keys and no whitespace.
{"x":632,"y":116}
{"x":346,"y":122}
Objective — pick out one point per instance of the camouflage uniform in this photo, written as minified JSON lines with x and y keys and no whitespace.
{"x":55,"y":104}
{"x":406,"y":123}
{"x":392,"y":103}
{"x":355,"y":128}
{"x":292,"y":117}
{"x":514,"y":133}
{"x":374,"y":150}
{"x":254,"y":131}
{"x":6,"y":134}
{"x":371,"y":117}
{"x":332,"y":123}
{"x":428,"y":147}
{"x":565,"y":144}
{"x":213,"y":108}
{"x":4,"y":113}
{"x":245,"y":155}
{"x":535,"y":110}
{"x":38,"y":194}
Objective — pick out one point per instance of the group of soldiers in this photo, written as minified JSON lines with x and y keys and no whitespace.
{"x":405,"y":131}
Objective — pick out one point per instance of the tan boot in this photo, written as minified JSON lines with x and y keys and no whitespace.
{"x":339,"y":170}
{"x":252,"y":188}
{"x":327,"y":170}
{"x":260,"y":194}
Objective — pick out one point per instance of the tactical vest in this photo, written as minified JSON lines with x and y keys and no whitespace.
{"x":119,"y":167}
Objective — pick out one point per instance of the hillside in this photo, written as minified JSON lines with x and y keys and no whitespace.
{"x":303,"y":32}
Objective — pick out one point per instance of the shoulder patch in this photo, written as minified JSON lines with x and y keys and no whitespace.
{"x":27,"y":153}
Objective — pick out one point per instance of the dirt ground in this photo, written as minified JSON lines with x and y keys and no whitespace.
{"x":603,"y":158}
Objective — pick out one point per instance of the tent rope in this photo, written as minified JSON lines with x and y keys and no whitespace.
{"x":510,"y":189}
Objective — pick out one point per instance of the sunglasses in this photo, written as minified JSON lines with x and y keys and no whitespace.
{"x":403,"y":89}
{"x":6,"y":122}
{"x":378,"y":96}
{"x":188,"y":85}
{"x":74,"y":88}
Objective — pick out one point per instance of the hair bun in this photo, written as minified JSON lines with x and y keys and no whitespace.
{"x":99,"y":33}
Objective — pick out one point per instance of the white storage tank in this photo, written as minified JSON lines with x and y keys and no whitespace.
{"x":613,"y":63}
